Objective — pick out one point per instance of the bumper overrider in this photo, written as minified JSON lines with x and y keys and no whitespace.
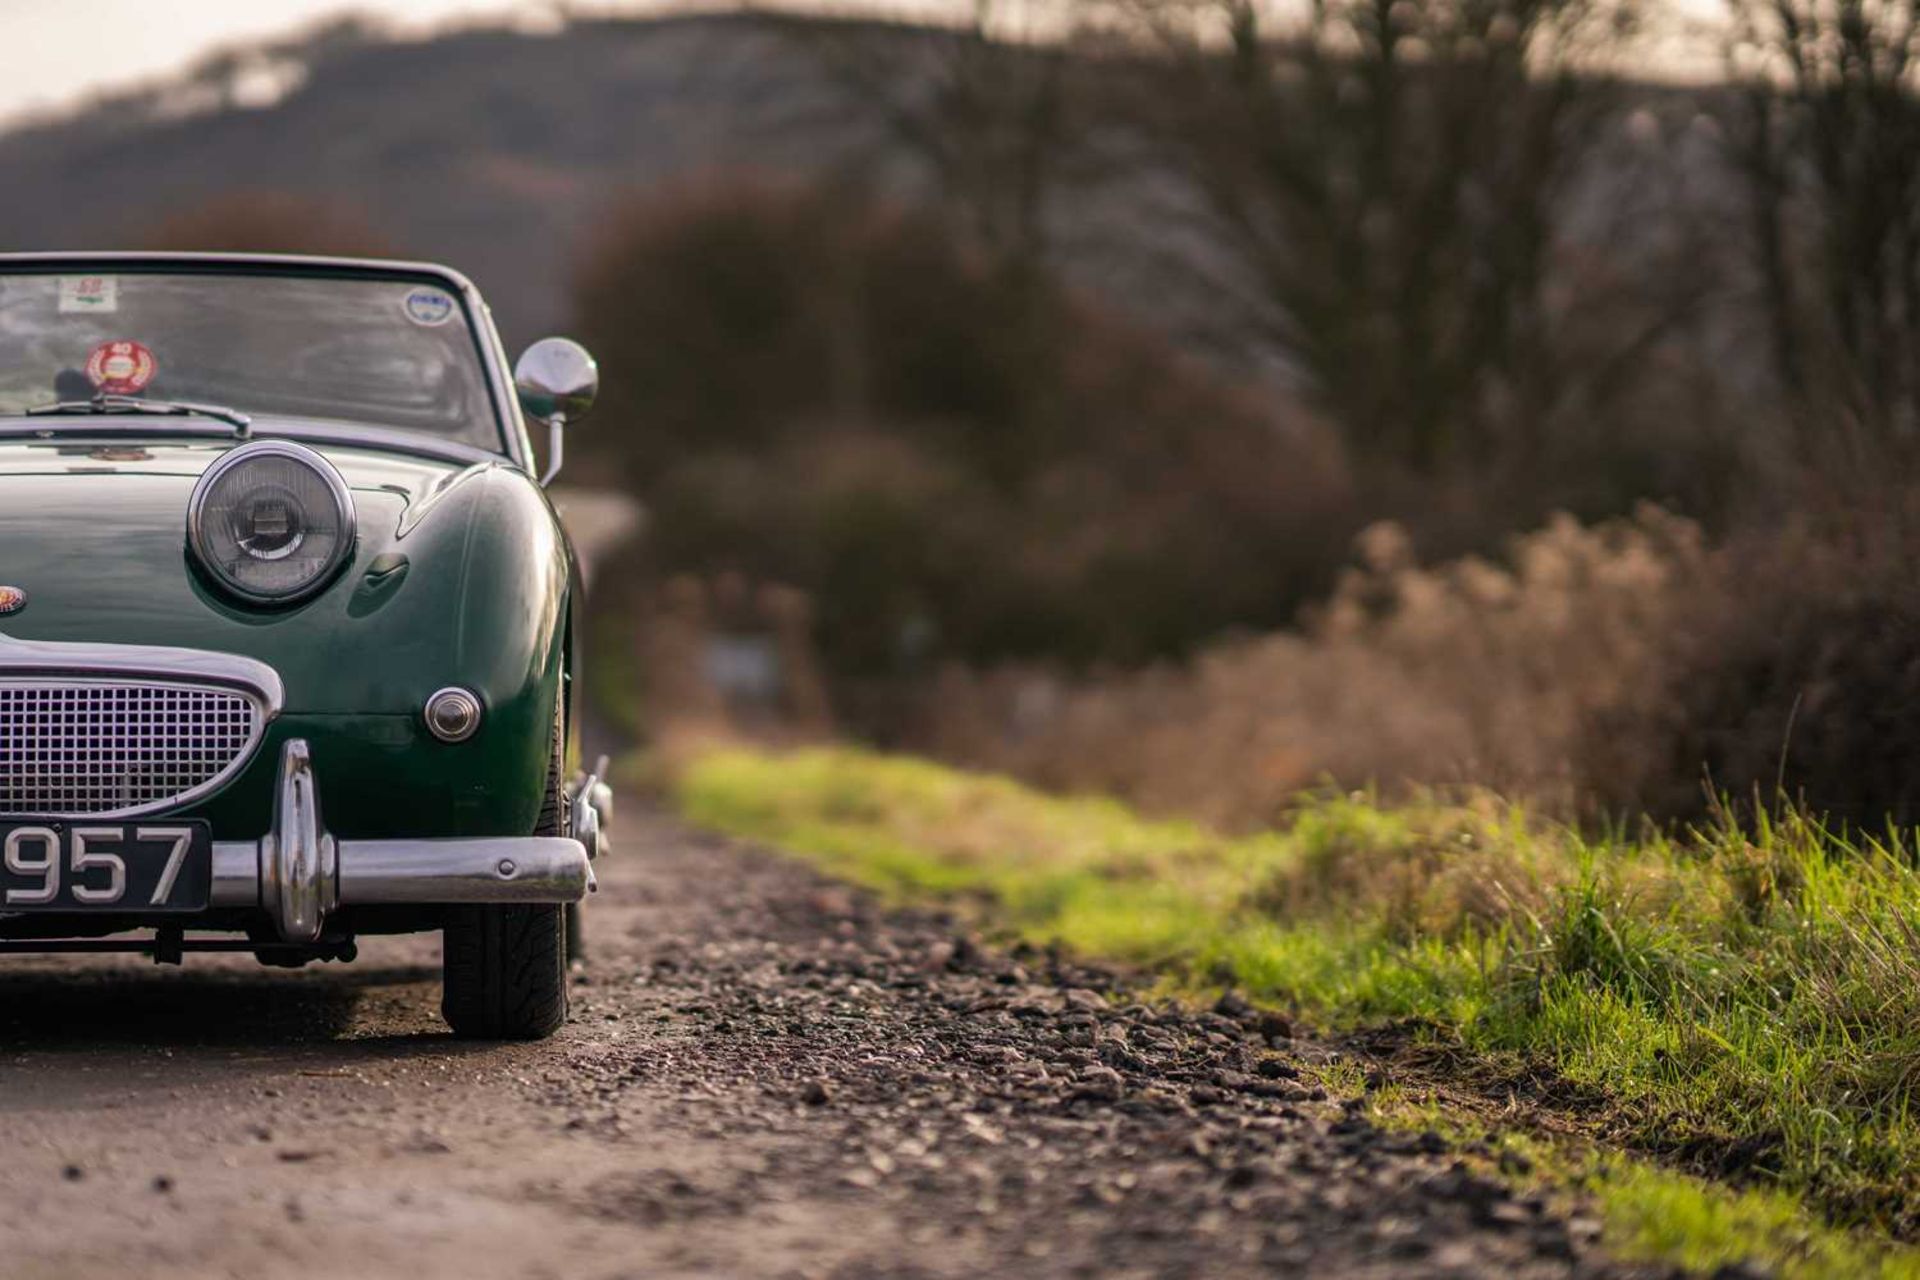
{"x":298,"y":873}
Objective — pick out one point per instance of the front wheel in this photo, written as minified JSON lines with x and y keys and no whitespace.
{"x":505,"y":972}
{"x":504,"y":969}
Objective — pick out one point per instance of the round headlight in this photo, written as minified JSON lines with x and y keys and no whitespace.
{"x":272,"y":521}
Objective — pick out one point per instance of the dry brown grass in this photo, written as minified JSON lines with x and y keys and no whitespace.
{"x":1466,"y":672}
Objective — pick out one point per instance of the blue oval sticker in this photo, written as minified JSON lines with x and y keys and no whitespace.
{"x":430,"y":307}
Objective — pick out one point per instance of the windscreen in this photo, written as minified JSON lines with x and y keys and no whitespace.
{"x":388,"y":351}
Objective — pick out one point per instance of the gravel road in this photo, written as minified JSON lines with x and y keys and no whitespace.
{"x":765,"y":1075}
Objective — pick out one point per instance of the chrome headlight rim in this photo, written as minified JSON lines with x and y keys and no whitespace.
{"x":336,"y":485}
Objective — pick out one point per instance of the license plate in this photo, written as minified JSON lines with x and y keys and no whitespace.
{"x":66,"y":865}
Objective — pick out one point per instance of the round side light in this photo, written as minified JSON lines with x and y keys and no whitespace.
{"x":453,"y":715}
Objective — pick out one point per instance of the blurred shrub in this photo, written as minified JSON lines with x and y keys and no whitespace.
{"x":1619,"y":668}
{"x":1796,"y":667}
{"x":953,"y":461}
{"x":1469,"y":671}
{"x":264,"y":221}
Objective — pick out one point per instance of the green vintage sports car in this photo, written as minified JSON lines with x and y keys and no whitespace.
{"x":286,"y":622}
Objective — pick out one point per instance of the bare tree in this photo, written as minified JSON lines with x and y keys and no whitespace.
{"x":983,"y":107}
{"x":1826,"y":135}
{"x":1391,"y":176}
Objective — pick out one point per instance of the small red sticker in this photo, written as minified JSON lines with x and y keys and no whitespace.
{"x":120,"y":368}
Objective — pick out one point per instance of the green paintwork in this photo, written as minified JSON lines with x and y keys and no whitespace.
{"x":460,"y":575}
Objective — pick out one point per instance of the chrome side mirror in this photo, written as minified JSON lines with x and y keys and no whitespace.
{"x":556,"y":380}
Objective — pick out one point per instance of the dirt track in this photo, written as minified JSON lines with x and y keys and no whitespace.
{"x":764,"y":1076}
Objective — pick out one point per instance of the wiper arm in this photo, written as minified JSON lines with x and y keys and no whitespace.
{"x":134,"y":404}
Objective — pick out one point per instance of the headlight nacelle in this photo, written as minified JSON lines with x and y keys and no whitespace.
{"x":272,"y":522}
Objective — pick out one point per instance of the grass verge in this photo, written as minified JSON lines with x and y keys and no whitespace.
{"x":1742,"y":1001}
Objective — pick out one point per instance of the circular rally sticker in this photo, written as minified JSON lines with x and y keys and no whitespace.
{"x":120,"y":368}
{"x":429,"y":307}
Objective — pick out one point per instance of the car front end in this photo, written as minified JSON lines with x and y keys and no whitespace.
{"x":282,"y":660}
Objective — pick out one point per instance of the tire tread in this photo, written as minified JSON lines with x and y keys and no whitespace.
{"x":504,"y":968}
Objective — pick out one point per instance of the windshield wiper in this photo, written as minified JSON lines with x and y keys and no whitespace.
{"x":134,"y":404}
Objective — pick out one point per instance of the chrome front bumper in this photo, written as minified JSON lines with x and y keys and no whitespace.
{"x":297,"y":873}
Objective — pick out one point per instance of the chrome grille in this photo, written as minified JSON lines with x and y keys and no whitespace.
{"x":74,"y":748}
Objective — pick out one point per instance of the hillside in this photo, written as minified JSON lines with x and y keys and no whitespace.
{"x":498,"y":150}
{"x":489,"y":149}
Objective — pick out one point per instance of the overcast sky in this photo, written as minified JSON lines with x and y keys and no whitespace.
{"x":60,"y":50}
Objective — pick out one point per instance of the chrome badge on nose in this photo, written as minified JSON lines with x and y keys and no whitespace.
{"x":12,"y":600}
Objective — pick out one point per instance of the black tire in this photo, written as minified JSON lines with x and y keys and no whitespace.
{"x":504,"y":969}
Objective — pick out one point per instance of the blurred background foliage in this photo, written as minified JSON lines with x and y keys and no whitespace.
{"x":1193,"y":400}
{"x":956,"y":459}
